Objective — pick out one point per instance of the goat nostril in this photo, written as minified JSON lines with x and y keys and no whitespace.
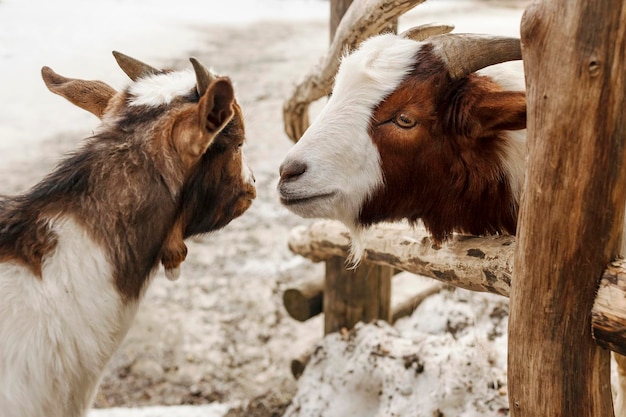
{"x":292,"y":170}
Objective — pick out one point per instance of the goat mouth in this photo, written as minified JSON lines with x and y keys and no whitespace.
{"x":289,"y":201}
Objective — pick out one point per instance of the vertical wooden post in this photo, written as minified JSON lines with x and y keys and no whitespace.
{"x":572,"y":205}
{"x":350,"y":296}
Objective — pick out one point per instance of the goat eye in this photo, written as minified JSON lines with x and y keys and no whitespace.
{"x":405,"y":121}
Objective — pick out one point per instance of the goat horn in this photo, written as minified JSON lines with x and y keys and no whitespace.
{"x":203,"y":76}
{"x":134,"y":68}
{"x":466,"y":53}
{"x":363,"y":19}
{"x":422,"y":32}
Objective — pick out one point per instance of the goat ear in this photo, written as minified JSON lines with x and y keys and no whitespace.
{"x":216,"y":105}
{"x":501,"y":110}
{"x":92,"y":96}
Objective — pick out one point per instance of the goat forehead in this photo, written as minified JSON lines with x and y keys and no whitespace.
{"x":377,"y":67}
{"x":159,"y":89}
{"x":364,"y":79}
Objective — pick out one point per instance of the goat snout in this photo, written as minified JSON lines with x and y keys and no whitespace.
{"x":291,"y":169}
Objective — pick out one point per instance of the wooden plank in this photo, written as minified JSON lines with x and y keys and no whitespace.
{"x":572,"y":205}
{"x":608,"y":316}
{"x":470,"y":262}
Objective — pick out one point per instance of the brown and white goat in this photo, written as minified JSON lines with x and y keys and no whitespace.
{"x":411,"y":131}
{"x":419,"y":128}
{"x":78,"y":250}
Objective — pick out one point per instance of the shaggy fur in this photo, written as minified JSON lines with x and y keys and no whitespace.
{"x":78,"y":250}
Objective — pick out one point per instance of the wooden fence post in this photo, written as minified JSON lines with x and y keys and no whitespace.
{"x":572,"y":205}
{"x":350,"y":296}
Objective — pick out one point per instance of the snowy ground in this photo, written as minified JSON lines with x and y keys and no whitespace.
{"x":220,"y":334}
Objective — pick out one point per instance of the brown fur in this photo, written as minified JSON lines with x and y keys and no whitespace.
{"x":203,"y":212}
{"x":446,"y":170}
{"x":149,"y":178}
{"x":22,"y":241}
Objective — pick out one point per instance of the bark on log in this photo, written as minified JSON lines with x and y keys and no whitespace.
{"x":608,"y":316}
{"x":363,"y":19}
{"x":572,"y":205}
{"x":475,"y":263}
{"x":305,"y":299}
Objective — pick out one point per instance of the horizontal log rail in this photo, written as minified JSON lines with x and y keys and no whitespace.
{"x":608,"y":316}
{"x":476,"y":263}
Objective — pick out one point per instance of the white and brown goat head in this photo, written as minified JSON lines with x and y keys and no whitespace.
{"x":412,"y":131}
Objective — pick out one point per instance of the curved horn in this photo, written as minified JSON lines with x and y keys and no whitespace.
{"x":203,"y":76}
{"x":466,"y":53}
{"x":363,"y":19}
{"x":134,"y":68}
{"x":422,"y":32}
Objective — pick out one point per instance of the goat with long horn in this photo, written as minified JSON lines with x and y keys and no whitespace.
{"x":428,"y":129}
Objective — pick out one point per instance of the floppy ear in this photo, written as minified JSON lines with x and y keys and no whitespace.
{"x":501,"y":110}
{"x":92,"y":96}
{"x":215,"y":108}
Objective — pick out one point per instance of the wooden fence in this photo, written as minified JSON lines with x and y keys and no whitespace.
{"x":561,"y":291}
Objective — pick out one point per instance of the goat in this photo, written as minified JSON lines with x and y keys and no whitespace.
{"x":78,"y":250}
{"x":420,"y":127}
{"x":411,"y":131}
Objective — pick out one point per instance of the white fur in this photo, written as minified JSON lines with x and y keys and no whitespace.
{"x":510,"y":76}
{"x":58,"y":331}
{"x":173,"y":274}
{"x":159,"y":89}
{"x":342,"y":162}
{"x":246,"y":171}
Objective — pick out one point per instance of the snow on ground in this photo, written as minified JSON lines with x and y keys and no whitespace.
{"x":448,"y":359}
{"x":220,"y":334}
